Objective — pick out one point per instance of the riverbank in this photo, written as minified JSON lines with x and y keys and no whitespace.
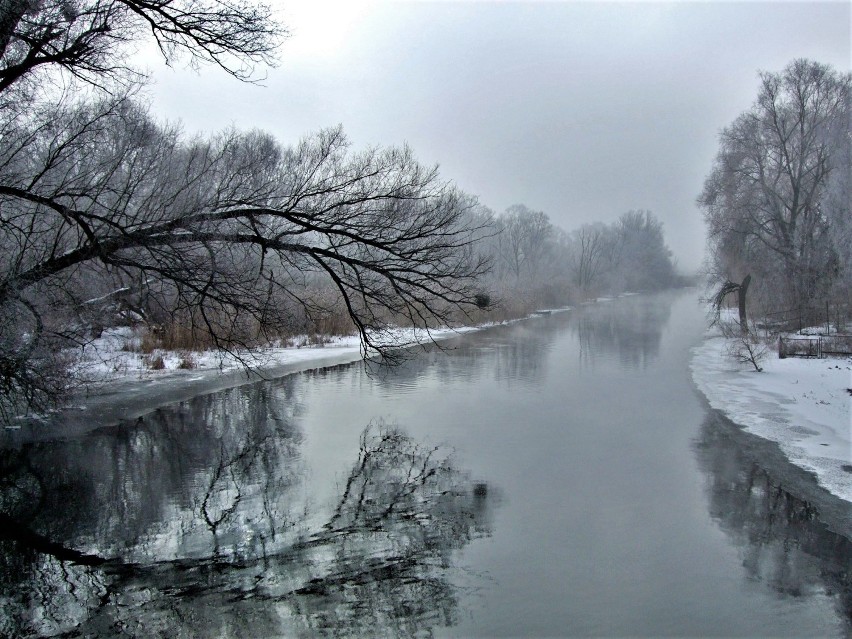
{"x":117,"y":383}
{"x":801,"y":404}
{"x":116,"y":359}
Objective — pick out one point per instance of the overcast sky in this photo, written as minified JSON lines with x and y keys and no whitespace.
{"x":581,"y":109}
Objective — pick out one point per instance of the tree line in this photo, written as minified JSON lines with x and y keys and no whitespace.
{"x":233,"y":239}
{"x":536,"y":263}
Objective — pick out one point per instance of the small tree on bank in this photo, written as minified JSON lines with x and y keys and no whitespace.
{"x":745,"y":345}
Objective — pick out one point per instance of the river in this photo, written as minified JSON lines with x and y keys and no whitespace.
{"x":558,"y":476}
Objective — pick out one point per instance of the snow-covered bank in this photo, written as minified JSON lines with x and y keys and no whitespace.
{"x":114,"y":382}
{"x":114,"y":356}
{"x":802,"y":404}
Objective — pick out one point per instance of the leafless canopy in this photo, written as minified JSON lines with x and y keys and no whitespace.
{"x":226,"y":227}
{"x":89,"y":38}
{"x":223,"y":232}
{"x":769,"y":201}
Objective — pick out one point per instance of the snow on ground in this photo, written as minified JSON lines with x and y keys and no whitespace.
{"x":802,"y":404}
{"x":114,"y":356}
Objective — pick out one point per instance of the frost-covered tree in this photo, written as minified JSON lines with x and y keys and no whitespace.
{"x":777,"y":198}
{"x":524,"y":240}
{"x":590,"y":254}
{"x":643,"y":260}
{"x":222,"y":232}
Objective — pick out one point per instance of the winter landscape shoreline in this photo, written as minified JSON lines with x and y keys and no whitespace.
{"x":801,"y":405}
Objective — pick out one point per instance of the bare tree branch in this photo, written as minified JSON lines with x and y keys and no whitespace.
{"x":225,"y":227}
{"x":87,"y":38}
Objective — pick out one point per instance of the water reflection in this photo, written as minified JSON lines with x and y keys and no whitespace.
{"x":515,"y":353}
{"x":211,"y":476}
{"x":197,"y":522}
{"x":632,"y":328}
{"x":784,"y":544}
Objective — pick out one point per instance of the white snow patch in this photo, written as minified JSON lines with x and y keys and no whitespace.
{"x":114,"y":356}
{"x":803,"y":404}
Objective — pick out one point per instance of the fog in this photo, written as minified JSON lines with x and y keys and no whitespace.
{"x":583,"y":110}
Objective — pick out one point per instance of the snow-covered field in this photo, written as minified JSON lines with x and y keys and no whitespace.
{"x":802,"y":404}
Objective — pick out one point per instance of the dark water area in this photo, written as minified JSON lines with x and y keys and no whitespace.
{"x":555,"y":477}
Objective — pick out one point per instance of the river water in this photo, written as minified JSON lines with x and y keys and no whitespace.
{"x":555,"y":477}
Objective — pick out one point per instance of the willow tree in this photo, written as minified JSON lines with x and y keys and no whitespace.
{"x":766,"y":199}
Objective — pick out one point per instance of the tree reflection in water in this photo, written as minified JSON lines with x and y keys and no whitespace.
{"x":632,"y":328}
{"x":515,"y":354}
{"x":784,"y":543}
{"x":187,"y":524}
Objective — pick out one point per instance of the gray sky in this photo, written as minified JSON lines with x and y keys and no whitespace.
{"x":581,"y":109}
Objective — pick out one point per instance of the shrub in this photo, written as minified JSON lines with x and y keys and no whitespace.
{"x":744,"y":346}
{"x":155,"y":362}
{"x":482,"y":300}
{"x":187,"y":362}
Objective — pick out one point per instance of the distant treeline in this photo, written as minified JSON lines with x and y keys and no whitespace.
{"x":535,"y":263}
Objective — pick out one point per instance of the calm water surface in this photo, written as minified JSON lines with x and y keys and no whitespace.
{"x":555,"y":477}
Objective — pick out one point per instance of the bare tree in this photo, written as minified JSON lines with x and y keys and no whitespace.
{"x":837,"y":201}
{"x":589,"y":246}
{"x":765,"y":200}
{"x":88,"y":38}
{"x":220,"y":229}
{"x":524,"y":240}
{"x":223,"y":233}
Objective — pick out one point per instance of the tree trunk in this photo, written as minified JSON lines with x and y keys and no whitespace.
{"x":741,"y":300}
